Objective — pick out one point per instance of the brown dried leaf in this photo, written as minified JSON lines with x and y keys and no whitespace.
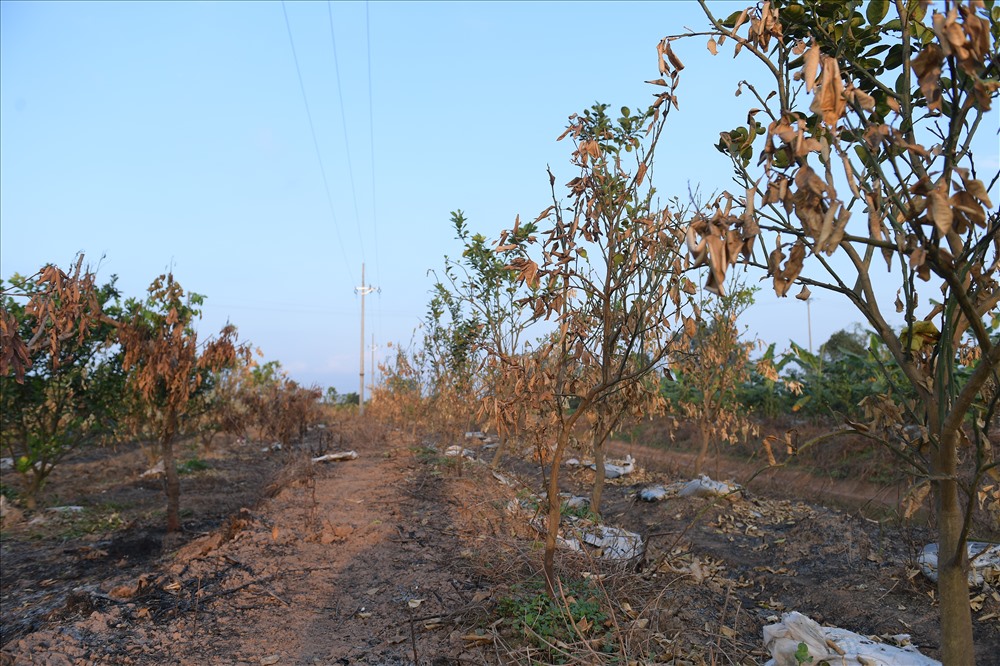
{"x":740,"y":20}
{"x":663,"y":49}
{"x":927,"y":67}
{"x":975,"y":188}
{"x":811,"y":67}
{"x":672,"y":57}
{"x":827,"y":229}
{"x":640,"y":174}
{"x":839,"y":227}
{"x":806,"y":178}
{"x":690,"y":327}
{"x":939,"y":209}
{"x":829,"y":100}
{"x":918,"y":262}
{"x":768,"y":441}
{"x":861,"y":98}
{"x":967,"y":211}
{"x":718,"y":265}
{"x":951,"y":34}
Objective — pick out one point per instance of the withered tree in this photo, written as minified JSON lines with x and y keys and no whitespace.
{"x":858,"y":167}
{"x":710,"y":366}
{"x":603,"y":268}
{"x":59,"y":378}
{"x":493,"y":323}
{"x":167,"y":366}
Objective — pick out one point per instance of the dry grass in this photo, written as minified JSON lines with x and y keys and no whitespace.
{"x":606,"y":613}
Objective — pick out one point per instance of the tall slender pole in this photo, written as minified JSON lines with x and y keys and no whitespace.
{"x":361,"y":388}
{"x":808,"y":322}
{"x":363,"y":290}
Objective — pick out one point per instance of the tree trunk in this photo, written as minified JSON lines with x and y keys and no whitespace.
{"x":699,"y":462}
{"x":36,"y":480}
{"x":599,"y":471}
{"x":171,"y":481}
{"x":498,"y":452}
{"x":957,"y":647}
{"x":555,"y":512}
{"x":31,"y":494}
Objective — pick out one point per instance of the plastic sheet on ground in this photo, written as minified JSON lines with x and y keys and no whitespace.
{"x":455,"y":451}
{"x":336,"y":457}
{"x":578,"y":502}
{"x":502,"y":479}
{"x":475,"y":434}
{"x":655,"y":493}
{"x":9,"y":514}
{"x":832,"y":645}
{"x":615,"y":469}
{"x":985,"y":567}
{"x":703,"y":486}
{"x":155,"y":470}
{"x":614,"y":543}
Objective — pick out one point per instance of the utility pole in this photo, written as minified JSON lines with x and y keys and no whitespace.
{"x":363,"y":290}
{"x":808,"y":322}
{"x":374,"y":375}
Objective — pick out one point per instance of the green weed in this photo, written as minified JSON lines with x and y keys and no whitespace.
{"x":530,"y":613}
{"x":191,"y":466}
{"x":93,"y":520}
{"x":582,"y":512}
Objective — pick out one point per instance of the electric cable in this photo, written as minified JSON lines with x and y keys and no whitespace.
{"x":319,"y":157}
{"x":343,"y":119}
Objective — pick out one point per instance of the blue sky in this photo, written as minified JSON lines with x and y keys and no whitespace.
{"x":174,"y":135}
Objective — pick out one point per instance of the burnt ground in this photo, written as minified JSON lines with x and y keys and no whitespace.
{"x":404,"y":555}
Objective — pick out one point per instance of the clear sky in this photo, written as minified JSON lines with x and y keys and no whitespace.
{"x":175,"y":135}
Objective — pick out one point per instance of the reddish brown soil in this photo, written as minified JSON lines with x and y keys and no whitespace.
{"x":402,"y":556}
{"x":331,"y":569}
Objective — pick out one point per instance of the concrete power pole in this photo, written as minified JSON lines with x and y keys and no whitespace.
{"x":809,"y":323}
{"x":363,"y":290}
{"x":374,"y":374}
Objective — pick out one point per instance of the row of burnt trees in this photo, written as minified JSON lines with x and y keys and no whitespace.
{"x":78,"y":367}
{"x":858,"y":153}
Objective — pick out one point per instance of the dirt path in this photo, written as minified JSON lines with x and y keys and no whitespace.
{"x":401,"y":555}
{"x":331,"y":570}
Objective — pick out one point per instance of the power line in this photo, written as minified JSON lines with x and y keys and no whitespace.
{"x":312,"y":131}
{"x":343,"y":119}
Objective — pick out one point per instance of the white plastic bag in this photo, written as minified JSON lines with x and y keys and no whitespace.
{"x":614,"y":542}
{"x":796,"y":634}
{"x":656,"y":493}
{"x":985,"y":566}
{"x":703,"y":486}
{"x":613,"y":470}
